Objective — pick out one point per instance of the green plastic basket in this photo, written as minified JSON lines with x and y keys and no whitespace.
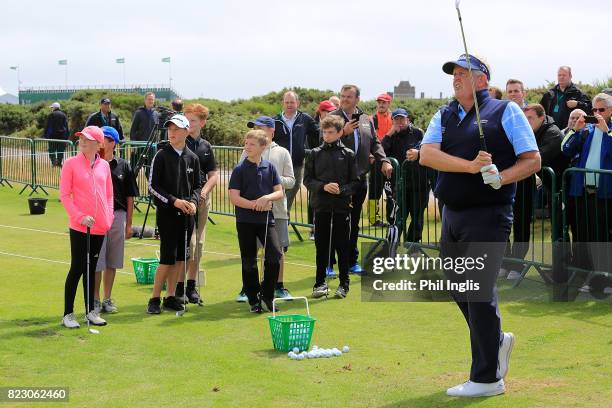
{"x":144,"y":269}
{"x":291,"y":331}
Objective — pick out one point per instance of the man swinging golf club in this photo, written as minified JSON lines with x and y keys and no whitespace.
{"x":477,"y":183}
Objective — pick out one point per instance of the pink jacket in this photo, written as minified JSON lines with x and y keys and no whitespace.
{"x":87,"y":190}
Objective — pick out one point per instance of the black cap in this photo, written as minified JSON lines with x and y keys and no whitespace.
{"x":105,"y":100}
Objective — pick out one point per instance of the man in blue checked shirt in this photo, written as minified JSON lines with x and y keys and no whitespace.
{"x":477,"y":188}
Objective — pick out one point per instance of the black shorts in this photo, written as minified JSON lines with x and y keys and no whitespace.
{"x":172,"y":225}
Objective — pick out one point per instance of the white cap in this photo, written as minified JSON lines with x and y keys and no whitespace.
{"x":55,"y":105}
{"x":179,"y":120}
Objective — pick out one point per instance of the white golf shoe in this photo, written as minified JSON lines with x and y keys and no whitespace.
{"x":70,"y":321}
{"x":474,"y":389}
{"x":505,"y":349}
{"x":95,"y":319}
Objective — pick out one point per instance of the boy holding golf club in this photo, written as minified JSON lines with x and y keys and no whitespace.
{"x":254,"y":185}
{"x":331,"y":177}
{"x":174,"y":182}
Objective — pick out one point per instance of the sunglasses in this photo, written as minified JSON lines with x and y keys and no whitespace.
{"x":600,"y":110}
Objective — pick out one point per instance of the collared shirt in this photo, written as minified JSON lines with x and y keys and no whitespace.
{"x":289,"y":123}
{"x":253,"y":181}
{"x":514,"y":122}
{"x":593,"y":160}
{"x":355,"y":133}
{"x":124,"y":182}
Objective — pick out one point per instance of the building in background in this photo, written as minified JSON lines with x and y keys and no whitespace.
{"x":404,"y":91}
{"x":8,"y":98}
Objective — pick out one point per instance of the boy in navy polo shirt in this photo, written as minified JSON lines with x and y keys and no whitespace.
{"x":254,"y":185}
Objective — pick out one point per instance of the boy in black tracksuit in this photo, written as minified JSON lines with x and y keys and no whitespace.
{"x":331,"y":178}
{"x":175,"y":184}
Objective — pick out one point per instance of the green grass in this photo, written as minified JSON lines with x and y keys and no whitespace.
{"x":402,"y":354}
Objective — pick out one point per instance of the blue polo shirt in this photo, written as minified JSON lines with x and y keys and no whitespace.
{"x":253,"y":181}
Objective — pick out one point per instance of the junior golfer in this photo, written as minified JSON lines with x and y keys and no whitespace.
{"x":478,"y":188}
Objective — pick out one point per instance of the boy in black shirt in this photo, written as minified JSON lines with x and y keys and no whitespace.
{"x":175,"y":184}
{"x":254,"y":185}
{"x":331,"y":177}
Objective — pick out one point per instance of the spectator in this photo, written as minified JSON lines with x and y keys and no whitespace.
{"x":335,"y":100}
{"x":403,"y":142}
{"x":564,"y":97}
{"x":293,"y":131}
{"x":104,"y":117}
{"x":143,"y":123}
{"x":177,"y":105}
{"x":592,"y":192}
{"x":57,"y":129}
{"x":359,"y":135}
{"x":382,"y":124}
{"x":515,"y":91}
{"x":495,"y":92}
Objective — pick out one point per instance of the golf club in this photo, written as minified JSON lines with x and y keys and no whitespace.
{"x":329,"y":250}
{"x":197,"y":260}
{"x":483,"y":144}
{"x":260,"y":270}
{"x":86,"y":275}
{"x":182,"y":312}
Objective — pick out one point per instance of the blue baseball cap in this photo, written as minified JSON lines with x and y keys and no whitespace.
{"x":262,"y":121}
{"x":111,"y":133}
{"x":400,"y":112}
{"x":477,"y":65}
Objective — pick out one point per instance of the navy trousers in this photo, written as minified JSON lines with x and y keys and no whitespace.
{"x":472,"y":232}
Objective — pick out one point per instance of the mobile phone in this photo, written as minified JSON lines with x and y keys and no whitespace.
{"x":356,"y":116}
{"x":590,"y":119}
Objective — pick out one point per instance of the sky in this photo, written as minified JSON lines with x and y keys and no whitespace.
{"x":233,"y":49}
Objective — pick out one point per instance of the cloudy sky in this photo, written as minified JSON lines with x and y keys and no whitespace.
{"x":236,"y":49}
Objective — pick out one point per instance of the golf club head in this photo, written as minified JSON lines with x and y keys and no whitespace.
{"x":93,"y":331}
{"x":181,"y":312}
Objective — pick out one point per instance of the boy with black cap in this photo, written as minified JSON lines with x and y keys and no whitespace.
{"x":254,"y":185}
{"x":174,"y":182}
{"x":124,"y":191}
{"x":331,"y":177}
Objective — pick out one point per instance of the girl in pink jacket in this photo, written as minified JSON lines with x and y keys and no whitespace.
{"x":86,"y":191}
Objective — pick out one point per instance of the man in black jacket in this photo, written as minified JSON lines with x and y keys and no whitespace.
{"x":561,"y":100}
{"x":104,"y":117}
{"x":57,"y":128}
{"x":359,"y":135}
{"x":292,"y":131}
{"x":174,"y":183}
{"x":142,"y":125}
{"x":331,"y":178}
{"x":403,"y":143}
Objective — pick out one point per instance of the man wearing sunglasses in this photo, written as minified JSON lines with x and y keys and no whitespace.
{"x":561,"y":100}
{"x":592,"y":192}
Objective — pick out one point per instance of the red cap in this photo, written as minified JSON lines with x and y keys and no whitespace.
{"x":92,"y":133}
{"x":384,"y":97}
{"x":327,"y":106}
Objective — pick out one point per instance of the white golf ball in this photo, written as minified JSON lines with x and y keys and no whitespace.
{"x":345,"y":349}
{"x":337,"y":353}
{"x":296,"y":350}
{"x":300,"y":357}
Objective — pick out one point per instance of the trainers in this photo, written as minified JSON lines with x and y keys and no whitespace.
{"x":154,"y":306}
{"x":311,"y":237}
{"x":109,"y":307}
{"x":513,"y":275}
{"x":172,"y":303}
{"x":269,"y":304}
{"x":282,"y":293}
{"x":95,"y":319}
{"x":474,"y":389}
{"x":70,"y":321}
{"x":256,"y":308}
{"x":97,"y":306}
{"x":180,"y":293}
{"x":342,"y":291}
{"x":242,"y":298}
{"x":193,"y":296}
{"x":330,"y":273}
{"x":356,"y":269}
{"x":320,"y":290}
{"x":505,"y":348}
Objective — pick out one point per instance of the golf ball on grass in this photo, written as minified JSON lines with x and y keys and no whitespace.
{"x":296,"y":350}
{"x":345,"y":349}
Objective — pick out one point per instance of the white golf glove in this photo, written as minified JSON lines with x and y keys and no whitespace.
{"x":490,"y":176}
